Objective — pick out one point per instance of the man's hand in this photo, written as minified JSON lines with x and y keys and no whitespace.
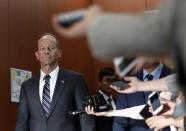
{"x":168,"y":107}
{"x":158,"y":122}
{"x":90,"y":111}
{"x":132,"y":87}
{"x":78,"y":29}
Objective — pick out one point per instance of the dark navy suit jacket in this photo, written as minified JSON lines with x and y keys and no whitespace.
{"x":135,"y":99}
{"x":69,"y":89}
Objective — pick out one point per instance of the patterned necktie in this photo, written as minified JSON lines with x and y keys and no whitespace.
{"x":46,"y":102}
{"x":149,"y":78}
{"x":110,"y":103}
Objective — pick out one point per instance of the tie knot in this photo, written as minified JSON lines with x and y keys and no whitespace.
{"x":149,"y":77}
{"x":47,"y":77}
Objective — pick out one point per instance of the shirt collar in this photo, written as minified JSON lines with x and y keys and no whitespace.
{"x":156,"y":73}
{"x":52,"y":74}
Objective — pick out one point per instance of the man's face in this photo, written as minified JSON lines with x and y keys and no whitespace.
{"x":105,"y":85}
{"x":149,"y":62}
{"x":47,"y":53}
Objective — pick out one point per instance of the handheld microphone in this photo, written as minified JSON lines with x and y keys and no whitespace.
{"x":77,"y":112}
{"x":65,"y":19}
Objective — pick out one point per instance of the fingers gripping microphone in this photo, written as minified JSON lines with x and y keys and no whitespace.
{"x":96,"y":101}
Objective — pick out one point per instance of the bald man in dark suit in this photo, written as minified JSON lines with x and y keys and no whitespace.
{"x":46,"y":98}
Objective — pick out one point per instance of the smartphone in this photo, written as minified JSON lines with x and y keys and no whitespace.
{"x":111,"y":80}
{"x":124,"y":65}
{"x":66,"y":19}
{"x":121,"y":84}
{"x":145,"y":112}
{"x":155,"y":103}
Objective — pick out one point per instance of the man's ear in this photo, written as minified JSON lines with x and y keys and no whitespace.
{"x":59,"y":53}
{"x":37,"y":55}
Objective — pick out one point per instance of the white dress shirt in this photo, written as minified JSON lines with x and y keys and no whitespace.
{"x":52,"y":81}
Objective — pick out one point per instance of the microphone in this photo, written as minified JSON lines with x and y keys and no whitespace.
{"x":77,"y":112}
{"x":65,"y":19}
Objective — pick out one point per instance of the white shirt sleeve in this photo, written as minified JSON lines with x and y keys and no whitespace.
{"x":133,"y":112}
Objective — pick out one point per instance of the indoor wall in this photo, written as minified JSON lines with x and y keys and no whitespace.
{"x":23,"y":21}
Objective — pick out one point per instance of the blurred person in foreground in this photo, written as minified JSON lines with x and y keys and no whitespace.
{"x":120,"y":34}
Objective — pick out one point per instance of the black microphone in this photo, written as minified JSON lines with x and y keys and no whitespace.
{"x":65,"y":19}
{"x":77,"y":112}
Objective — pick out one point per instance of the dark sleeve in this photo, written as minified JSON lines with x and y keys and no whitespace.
{"x":23,"y":113}
{"x":120,"y":123}
{"x":87,"y":122}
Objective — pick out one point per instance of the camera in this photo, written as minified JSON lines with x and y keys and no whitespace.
{"x":155,"y":103}
{"x":96,"y":101}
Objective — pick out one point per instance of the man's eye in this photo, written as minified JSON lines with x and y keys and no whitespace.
{"x":42,"y":49}
{"x":52,"y":48}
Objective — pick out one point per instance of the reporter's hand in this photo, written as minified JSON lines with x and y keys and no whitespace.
{"x":168,"y":107}
{"x":78,"y":29}
{"x":158,"y":122}
{"x":132,"y":87}
{"x":90,"y":111}
{"x":140,"y":64}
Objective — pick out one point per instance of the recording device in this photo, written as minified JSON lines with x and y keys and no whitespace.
{"x":66,"y":19}
{"x":121,"y":84}
{"x":124,"y":65}
{"x":145,"y":112}
{"x":155,"y":103}
{"x":96,"y":101}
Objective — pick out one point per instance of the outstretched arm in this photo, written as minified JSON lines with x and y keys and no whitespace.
{"x":128,"y":112}
{"x":136,"y":85}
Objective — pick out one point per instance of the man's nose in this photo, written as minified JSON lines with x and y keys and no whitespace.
{"x":47,"y":50}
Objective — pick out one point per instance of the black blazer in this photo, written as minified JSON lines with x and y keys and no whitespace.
{"x":104,"y":123}
{"x":134,"y":99}
{"x":69,"y":89}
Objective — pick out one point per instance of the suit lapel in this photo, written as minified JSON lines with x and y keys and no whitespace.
{"x":140,"y":95}
{"x":165,"y":71}
{"x":36,"y":96}
{"x":58,"y":89}
{"x":139,"y":75}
